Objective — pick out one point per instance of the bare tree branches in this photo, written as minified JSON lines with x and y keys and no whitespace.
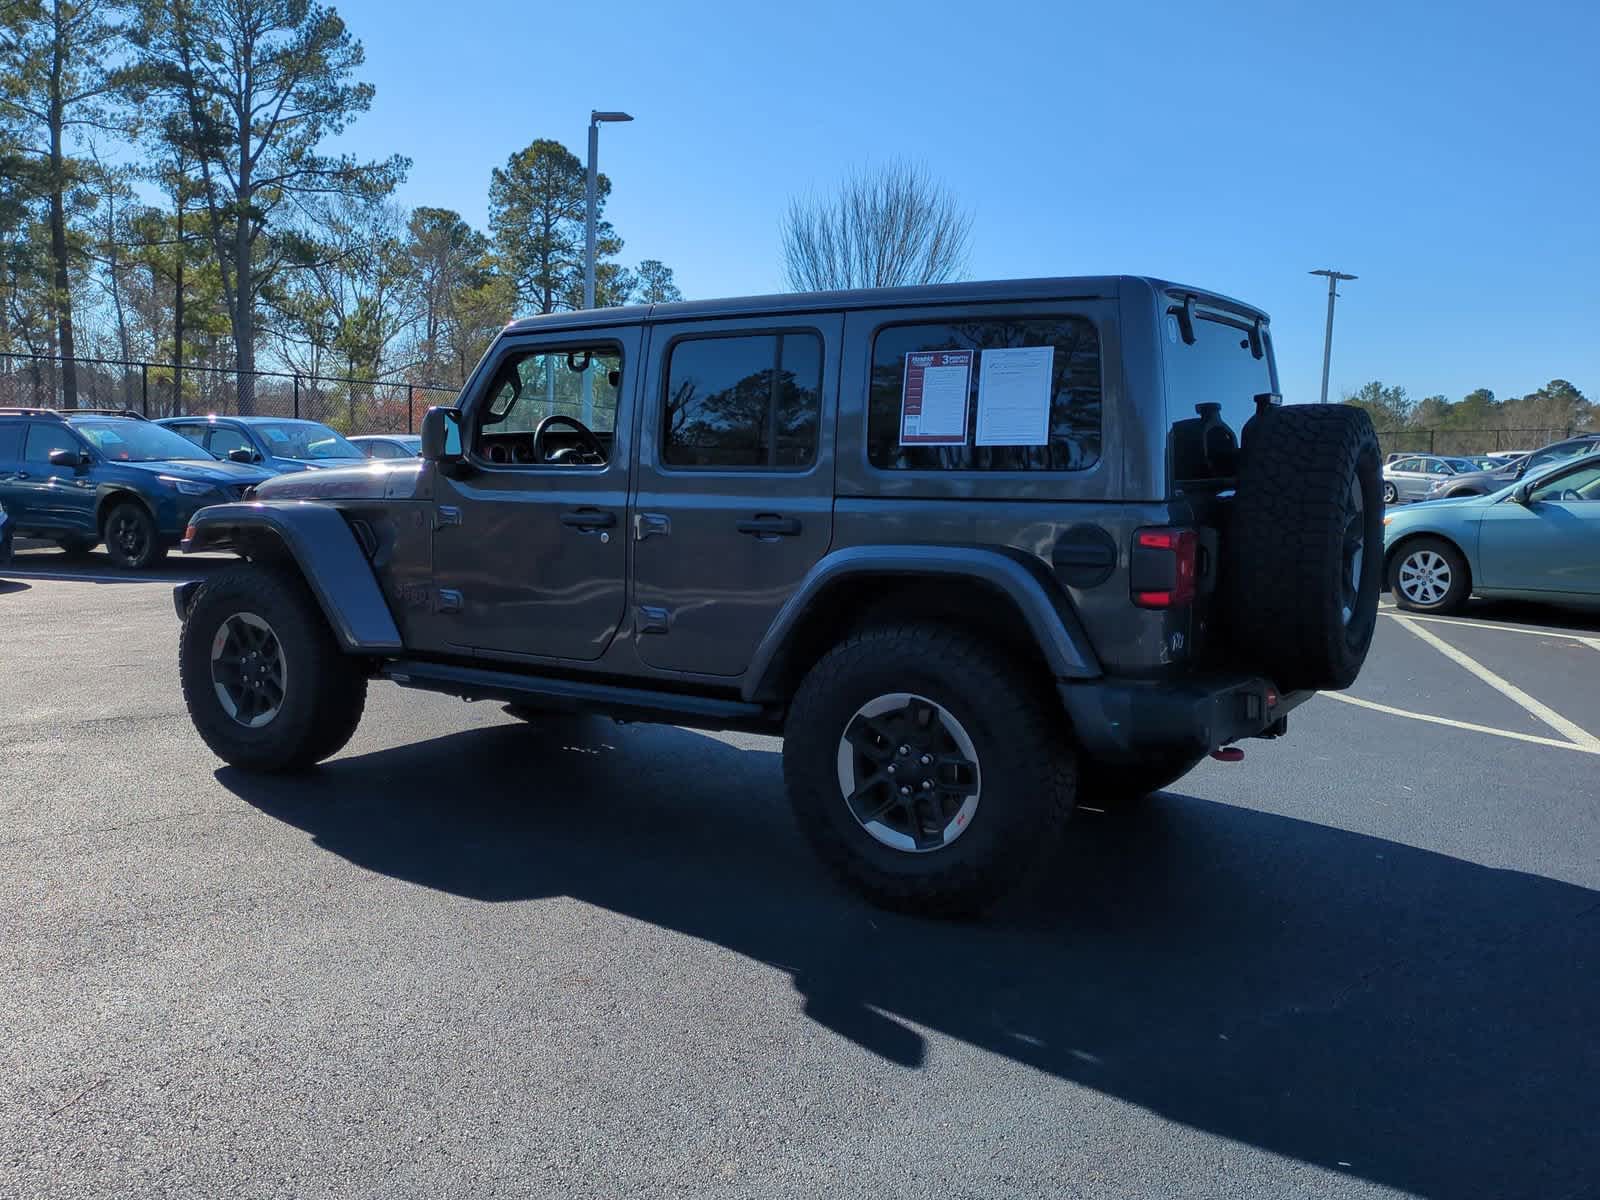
{"x":885,"y":228}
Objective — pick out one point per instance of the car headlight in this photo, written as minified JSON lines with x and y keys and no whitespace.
{"x":189,"y":487}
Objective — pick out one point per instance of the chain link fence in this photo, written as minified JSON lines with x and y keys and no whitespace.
{"x":352,"y":406}
{"x":1469,"y":441}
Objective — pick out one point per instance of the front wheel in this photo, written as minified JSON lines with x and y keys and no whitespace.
{"x":926,"y":770}
{"x":1429,"y":575}
{"x":132,"y":539}
{"x":266,"y":684}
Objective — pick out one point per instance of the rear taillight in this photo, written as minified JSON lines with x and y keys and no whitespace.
{"x":1163,"y":569}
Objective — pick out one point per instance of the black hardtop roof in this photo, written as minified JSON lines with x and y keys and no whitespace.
{"x":1082,"y":287}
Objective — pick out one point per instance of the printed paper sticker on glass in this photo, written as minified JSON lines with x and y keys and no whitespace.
{"x":933,"y":400}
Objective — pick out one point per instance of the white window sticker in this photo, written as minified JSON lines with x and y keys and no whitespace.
{"x":1014,"y":396}
{"x":933,"y":400}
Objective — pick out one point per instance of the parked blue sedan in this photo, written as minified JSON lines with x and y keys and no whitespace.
{"x":1537,"y":540}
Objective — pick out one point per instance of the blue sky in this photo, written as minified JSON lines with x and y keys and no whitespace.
{"x":1446,"y":154}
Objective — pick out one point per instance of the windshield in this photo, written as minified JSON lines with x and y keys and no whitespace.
{"x":122,"y":439}
{"x":305,"y":440}
{"x":1462,"y":464}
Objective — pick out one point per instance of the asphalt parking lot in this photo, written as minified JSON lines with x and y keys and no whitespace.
{"x":471,"y":957}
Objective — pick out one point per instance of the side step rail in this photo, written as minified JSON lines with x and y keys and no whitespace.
{"x":638,"y":704}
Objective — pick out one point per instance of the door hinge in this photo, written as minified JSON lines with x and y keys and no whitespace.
{"x":449,"y":601}
{"x":446,"y":514}
{"x":648,"y":525}
{"x":652,"y":619}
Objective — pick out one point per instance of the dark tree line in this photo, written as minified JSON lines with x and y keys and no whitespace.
{"x":165,"y":195}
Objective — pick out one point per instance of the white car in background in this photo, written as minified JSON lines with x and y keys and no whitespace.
{"x":1413,"y":477}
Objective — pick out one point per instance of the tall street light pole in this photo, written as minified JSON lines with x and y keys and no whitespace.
{"x":596,"y":119}
{"x":1327,"y":338}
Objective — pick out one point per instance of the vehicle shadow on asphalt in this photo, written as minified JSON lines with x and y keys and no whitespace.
{"x":7,"y":586}
{"x":97,"y":567}
{"x":1396,"y":1014}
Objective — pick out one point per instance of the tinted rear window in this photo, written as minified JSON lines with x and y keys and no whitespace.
{"x":1218,"y":368}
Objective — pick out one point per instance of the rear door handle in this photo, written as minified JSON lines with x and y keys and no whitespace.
{"x":769,"y":525}
{"x":588,"y":518}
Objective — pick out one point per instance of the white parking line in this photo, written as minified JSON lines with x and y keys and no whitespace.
{"x":1535,"y":708}
{"x":1389,"y":611}
{"x":79,"y":577}
{"x":1467,"y":725}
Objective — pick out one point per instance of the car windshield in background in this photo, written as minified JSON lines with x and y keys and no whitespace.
{"x":1462,"y":466}
{"x":123,"y":439}
{"x":304,"y":440}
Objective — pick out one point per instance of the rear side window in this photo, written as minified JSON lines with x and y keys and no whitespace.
{"x":1031,"y":393}
{"x":748,"y":401}
{"x":195,"y":433}
{"x":10,"y":441}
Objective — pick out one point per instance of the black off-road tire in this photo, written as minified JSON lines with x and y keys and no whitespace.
{"x":1454,"y":597}
{"x":1026,"y":766}
{"x":1116,"y":785}
{"x":325,"y":690}
{"x":143,"y":547}
{"x":1286,"y":560}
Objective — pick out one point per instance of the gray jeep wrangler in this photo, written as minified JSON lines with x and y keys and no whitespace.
{"x":979,"y":552}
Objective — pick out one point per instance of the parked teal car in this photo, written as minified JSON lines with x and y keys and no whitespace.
{"x":1536,"y":540}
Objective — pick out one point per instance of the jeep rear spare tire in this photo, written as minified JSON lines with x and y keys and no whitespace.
{"x":1303,"y":556}
{"x":927,"y":770}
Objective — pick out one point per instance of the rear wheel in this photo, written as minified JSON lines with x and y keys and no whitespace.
{"x":265,"y":682}
{"x":1115,"y":785}
{"x":1391,"y":494}
{"x":1429,"y":575}
{"x":926,"y":770}
{"x":132,"y":539}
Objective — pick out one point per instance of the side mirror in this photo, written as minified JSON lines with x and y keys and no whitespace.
{"x":1520,"y":496}
{"x":240,"y":454}
{"x":441,"y":435}
{"x":69,"y":458}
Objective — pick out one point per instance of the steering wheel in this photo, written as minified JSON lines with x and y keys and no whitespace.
{"x":591,"y":451}
{"x":1569,"y":494}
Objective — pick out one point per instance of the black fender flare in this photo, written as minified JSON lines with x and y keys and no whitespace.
{"x":325,"y":550}
{"x":1043,"y":603}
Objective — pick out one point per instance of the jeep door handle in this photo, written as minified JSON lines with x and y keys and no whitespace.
{"x":766,"y":525}
{"x":588,"y":518}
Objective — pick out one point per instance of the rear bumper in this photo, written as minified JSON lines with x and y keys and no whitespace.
{"x":1127,"y":721}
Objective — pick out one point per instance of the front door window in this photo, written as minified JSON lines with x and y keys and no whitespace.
{"x":552,"y":408}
